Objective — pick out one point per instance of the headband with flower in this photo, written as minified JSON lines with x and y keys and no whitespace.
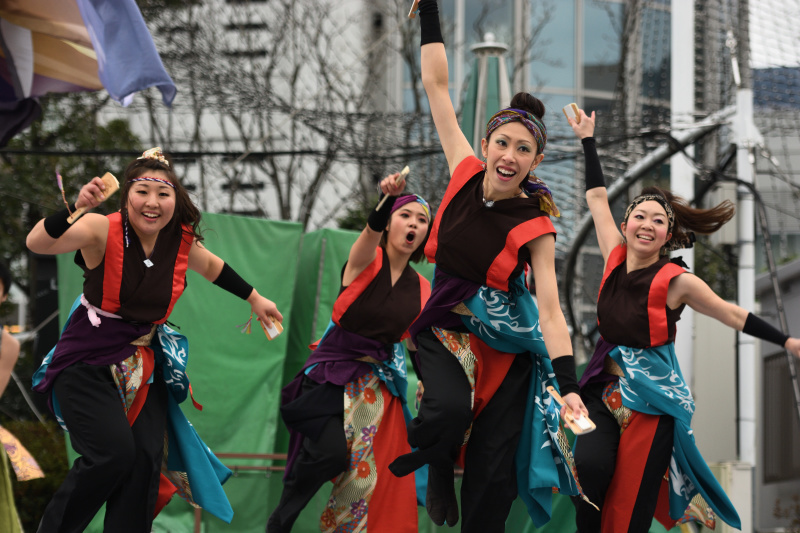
{"x":154,"y":153}
{"x":529,"y":120}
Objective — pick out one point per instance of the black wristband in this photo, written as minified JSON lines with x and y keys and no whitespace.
{"x":761,"y":329}
{"x":564,"y":368}
{"x":232,"y":282}
{"x":594,"y":172}
{"x":430,"y":30}
{"x":56,"y":224}
{"x":378,"y":219}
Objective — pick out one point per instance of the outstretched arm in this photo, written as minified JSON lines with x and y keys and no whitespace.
{"x":215,"y":270}
{"x":9,"y":353}
{"x":690,"y":290}
{"x":362,"y":253}
{"x":435,"y":79}
{"x":608,"y":236}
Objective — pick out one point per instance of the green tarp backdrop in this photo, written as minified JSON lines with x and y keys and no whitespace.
{"x":237,"y":377}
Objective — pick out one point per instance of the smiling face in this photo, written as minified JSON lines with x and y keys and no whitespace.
{"x":510,"y":154}
{"x":407,"y":228}
{"x":647,"y":228}
{"x":151,"y":204}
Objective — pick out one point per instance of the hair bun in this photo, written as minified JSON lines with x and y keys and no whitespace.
{"x":528,"y":102}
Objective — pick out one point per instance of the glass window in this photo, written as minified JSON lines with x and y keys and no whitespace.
{"x":553,"y":53}
{"x":602,"y":23}
{"x":488,"y":16}
{"x":656,"y":54}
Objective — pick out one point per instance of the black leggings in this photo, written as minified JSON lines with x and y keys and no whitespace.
{"x":489,"y":486}
{"x":318,"y":462}
{"x":634,"y":463}
{"x":119,"y":464}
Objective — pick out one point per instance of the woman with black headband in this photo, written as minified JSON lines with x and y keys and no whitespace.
{"x":633,"y":385}
{"x":346,"y":408}
{"x":118,"y":370}
{"x":483,"y":343}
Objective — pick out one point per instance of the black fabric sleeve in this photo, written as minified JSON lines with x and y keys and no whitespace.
{"x":56,"y":224}
{"x":761,"y":329}
{"x":594,"y":172}
{"x":564,"y":368}
{"x":377,"y":220}
{"x":232,"y":282}
{"x":430,"y":30}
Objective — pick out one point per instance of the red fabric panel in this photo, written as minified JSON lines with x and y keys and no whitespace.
{"x":662,"y":509}
{"x":491,"y":367}
{"x":657,"y":303}
{"x":179,"y":273}
{"x":112,"y":264}
{"x":615,"y":258}
{"x":148,"y":363}
{"x":354,"y":290}
{"x":634,"y":447}
{"x":462,"y":174}
{"x":166,"y":490}
{"x":393,"y":506}
{"x":506,"y":261}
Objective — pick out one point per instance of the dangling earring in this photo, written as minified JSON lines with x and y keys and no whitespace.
{"x":483,"y":164}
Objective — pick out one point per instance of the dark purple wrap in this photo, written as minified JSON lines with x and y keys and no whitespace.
{"x":107,"y":344}
{"x":594,"y":372}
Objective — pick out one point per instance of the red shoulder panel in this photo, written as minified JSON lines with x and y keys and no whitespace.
{"x":179,"y":272}
{"x":464,"y":171}
{"x":506,"y":261}
{"x":112,"y":263}
{"x":615,"y":258}
{"x":352,"y":291}
{"x":657,"y":303}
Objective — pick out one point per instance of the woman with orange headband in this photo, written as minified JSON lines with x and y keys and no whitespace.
{"x":134,"y":263}
{"x":346,"y":409}
{"x":483,"y":343}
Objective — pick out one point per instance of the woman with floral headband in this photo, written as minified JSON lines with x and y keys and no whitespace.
{"x":633,"y":385}
{"x":360,"y":358}
{"x":134,"y":263}
{"x":482,"y":341}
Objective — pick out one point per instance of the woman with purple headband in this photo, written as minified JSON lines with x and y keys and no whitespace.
{"x":642,"y":460}
{"x":346,"y":409}
{"x":134,"y":263}
{"x":483,"y":343}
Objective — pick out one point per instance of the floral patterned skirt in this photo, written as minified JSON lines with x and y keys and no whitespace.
{"x":367,"y":494}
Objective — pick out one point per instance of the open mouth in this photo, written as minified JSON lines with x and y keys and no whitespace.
{"x":645,"y":237}
{"x":505,"y":174}
{"x":410,"y":237}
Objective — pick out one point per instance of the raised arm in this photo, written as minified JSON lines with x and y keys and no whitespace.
{"x":362,"y":253}
{"x":608,"y":235}
{"x":435,"y":79}
{"x":54,"y":235}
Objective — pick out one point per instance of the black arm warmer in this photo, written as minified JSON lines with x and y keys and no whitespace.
{"x":232,"y":282}
{"x":430,"y":31}
{"x":762,"y":330}
{"x":564,"y":367}
{"x":594,"y":172}
{"x":377,"y":220}
{"x":56,"y":224}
